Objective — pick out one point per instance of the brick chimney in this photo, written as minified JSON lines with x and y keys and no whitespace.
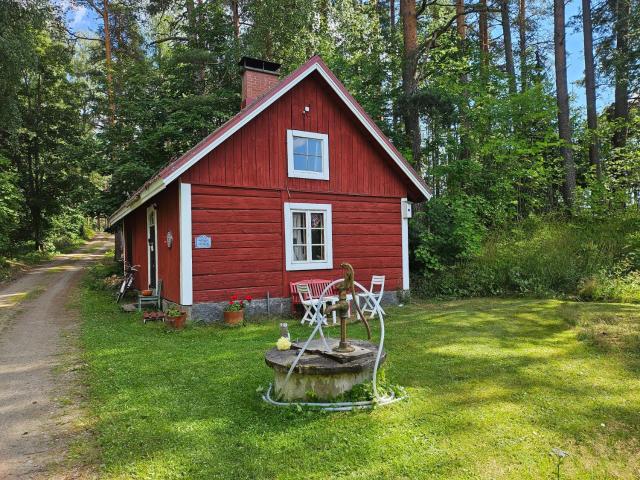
{"x":258,"y":76}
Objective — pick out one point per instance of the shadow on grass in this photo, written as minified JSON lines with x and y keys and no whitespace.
{"x":493,"y":386}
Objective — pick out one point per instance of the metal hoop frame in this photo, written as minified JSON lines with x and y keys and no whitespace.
{"x":338,"y":406}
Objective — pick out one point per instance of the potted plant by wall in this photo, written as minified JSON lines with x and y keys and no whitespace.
{"x":176,"y":317}
{"x":234,"y":311}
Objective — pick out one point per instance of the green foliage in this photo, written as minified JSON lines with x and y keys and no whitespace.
{"x":548,"y":256}
{"x":448,"y":230}
{"x":611,"y":288}
{"x":104,"y":275}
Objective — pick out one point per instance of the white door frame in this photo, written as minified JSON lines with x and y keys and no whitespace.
{"x":186,"y":243}
{"x":152,"y":209}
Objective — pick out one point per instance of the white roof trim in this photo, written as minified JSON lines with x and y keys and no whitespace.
{"x":156,"y":187}
{"x":150,"y":191}
{"x":375,"y":133}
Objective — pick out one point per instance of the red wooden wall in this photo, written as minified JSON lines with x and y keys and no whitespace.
{"x":168,"y":218}
{"x":239,"y":191}
{"x":169,"y":258}
{"x":247,"y":254}
{"x":136,"y":223}
{"x":256,"y":155}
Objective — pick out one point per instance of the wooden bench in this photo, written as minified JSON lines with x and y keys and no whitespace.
{"x":315,"y":285}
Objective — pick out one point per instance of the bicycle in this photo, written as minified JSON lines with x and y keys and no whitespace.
{"x":127,"y":281}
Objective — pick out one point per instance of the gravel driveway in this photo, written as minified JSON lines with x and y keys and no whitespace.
{"x":36,"y":338}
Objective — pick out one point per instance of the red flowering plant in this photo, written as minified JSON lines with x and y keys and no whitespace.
{"x":235,"y":304}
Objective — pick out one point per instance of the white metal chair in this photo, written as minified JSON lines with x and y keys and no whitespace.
{"x":372,"y":301}
{"x":310,"y":304}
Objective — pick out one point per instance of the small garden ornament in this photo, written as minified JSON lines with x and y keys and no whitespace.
{"x":283,"y":343}
{"x":234,"y":311}
{"x":559,"y":455}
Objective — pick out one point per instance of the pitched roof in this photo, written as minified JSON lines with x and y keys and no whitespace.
{"x":178,"y":166}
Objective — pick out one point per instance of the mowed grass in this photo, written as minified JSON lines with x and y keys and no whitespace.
{"x":494,"y":385}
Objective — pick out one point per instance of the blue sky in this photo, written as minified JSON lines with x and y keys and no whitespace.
{"x":81,"y":18}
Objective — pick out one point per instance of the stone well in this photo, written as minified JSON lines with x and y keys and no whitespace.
{"x":325,"y":373}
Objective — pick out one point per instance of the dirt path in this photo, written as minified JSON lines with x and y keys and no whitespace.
{"x":35,"y":332}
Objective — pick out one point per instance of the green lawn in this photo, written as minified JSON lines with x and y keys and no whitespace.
{"x":494,"y":385}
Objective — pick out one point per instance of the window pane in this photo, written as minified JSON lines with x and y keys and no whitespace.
{"x":317,"y":237}
{"x":299,"y":253}
{"x":299,"y":219}
{"x":317,"y":220}
{"x":315,"y":164}
{"x":299,"y":145}
{"x":314,"y":147}
{"x":300,"y":162}
{"x":317,"y":252}
{"x":307,"y":154}
{"x":299,"y":236}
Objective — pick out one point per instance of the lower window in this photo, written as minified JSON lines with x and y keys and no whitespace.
{"x":308,"y":236}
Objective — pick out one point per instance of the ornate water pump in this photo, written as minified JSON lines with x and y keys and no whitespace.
{"x":346,"y":287}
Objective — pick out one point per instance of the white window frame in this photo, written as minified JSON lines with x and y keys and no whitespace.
{"x":324,"y":208}
{"x":293,"y":173}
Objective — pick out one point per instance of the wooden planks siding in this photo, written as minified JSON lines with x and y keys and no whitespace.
{"x":247,"y":254}
{"x":169,"y":258}
{"x":256,"y":156}
{"x":168,"y":217}
{"x":136,"y":222}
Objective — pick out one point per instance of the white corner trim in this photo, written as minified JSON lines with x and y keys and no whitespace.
{"x":405,"y":246}
{"x":293,"y":173}
{"x":325,"y":208}
{"x":373,"y":132}
{"x":186,"y":262}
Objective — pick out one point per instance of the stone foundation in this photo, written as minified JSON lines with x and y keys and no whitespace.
{"x":212,"y":311}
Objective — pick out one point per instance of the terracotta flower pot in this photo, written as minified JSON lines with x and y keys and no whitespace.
{"x":178,"y":322}
{"x":146,"y":293}
{"x":233,"y":317}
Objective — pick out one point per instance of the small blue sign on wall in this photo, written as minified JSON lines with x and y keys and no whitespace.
{"x":203,"y":241}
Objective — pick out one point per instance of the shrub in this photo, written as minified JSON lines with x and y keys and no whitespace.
{"x":595,"y":259}
{"x":105,"y":275}
{"x":609,"y":288}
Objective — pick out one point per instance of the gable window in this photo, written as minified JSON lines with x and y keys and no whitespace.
{"x":308,"y":236}
{"x":308,"y":154}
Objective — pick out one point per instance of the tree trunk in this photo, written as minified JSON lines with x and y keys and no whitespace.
{"x":562,"y":99}
{"x":461,"y":27}
{"x":621,"y":106}
{"x":108,"y":62}
{"x":392,"y":13}
{"x":235,"y":16}
{"x":522,"y":33}
{"x":508,"y":46}
{"x":409,"y":82}
{"x":483,"y":29}
{"x":590,"y":87}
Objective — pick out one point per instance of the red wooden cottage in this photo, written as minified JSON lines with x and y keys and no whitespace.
{"x":300,"y":180}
